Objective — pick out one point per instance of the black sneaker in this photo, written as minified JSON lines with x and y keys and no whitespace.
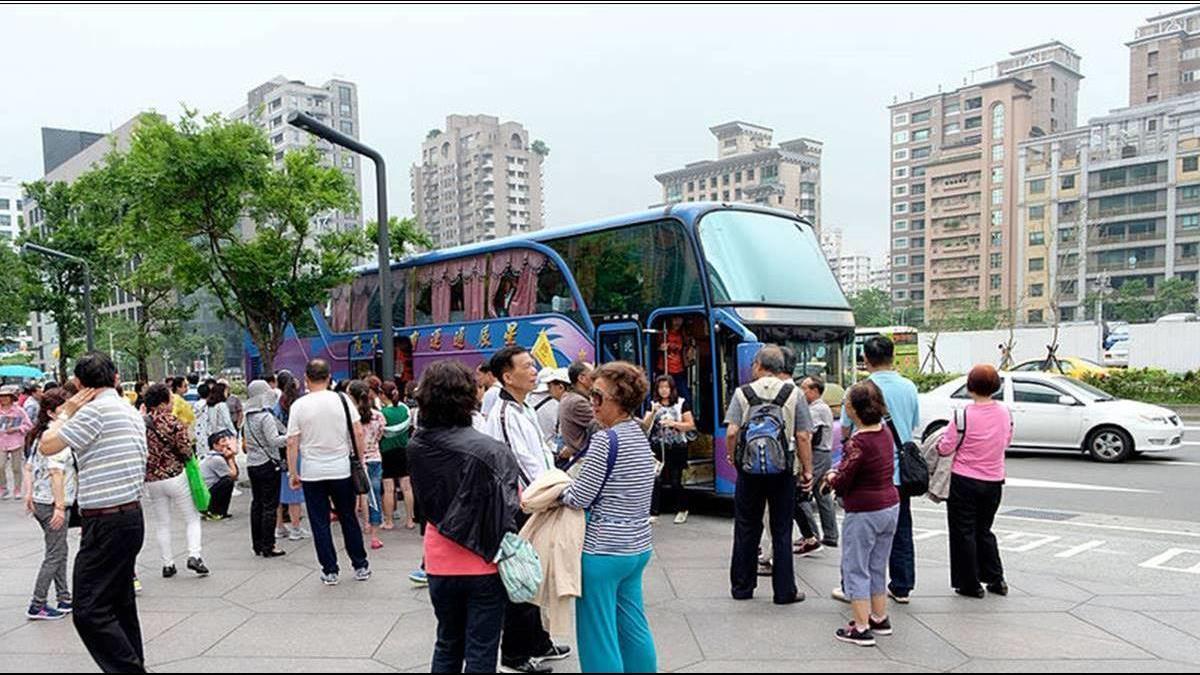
{"x":999,"y":588}
{"x":795,"y":599}
{"x":976,"y":592}
{"x":169,"y":572}
{"x":882,"y":628}
{"x":829,"y":543}
{"x":197,"y":565}
{"x":526,"y":666}
{"x":852,"y":635}
{"x":807,"y":548}
{"x":555,"y":653}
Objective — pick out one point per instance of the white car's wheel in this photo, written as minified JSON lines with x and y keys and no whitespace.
{"x":1109,"y":445}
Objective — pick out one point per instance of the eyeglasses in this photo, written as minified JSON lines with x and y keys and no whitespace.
{"x":598,"y":397}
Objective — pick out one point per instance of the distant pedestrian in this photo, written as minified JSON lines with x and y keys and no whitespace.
{"x":864,"y":481}
{"x":32,"y":402}
{"x":14,"y":424}
{"x":291,"y":500}
{"x":616,"y":486}
{"x":319,"y":430}
{"x":53,"y":486}
{"x":167,"y":488}
{"x":109,"y":440}
{"x":467,"y":485}
{"x":978,"y":445}
{"x":217,"y":413}
{"x":266,"y":443}
{"x":370,"y":505}
{"x":394,"y":447}
{"x":182,"y":410}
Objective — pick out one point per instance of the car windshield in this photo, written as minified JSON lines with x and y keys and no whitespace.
{"x":1087,"y":391}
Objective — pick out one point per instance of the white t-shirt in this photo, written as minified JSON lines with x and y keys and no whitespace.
{"x":320,"y":422}
{"x":490,"y":398}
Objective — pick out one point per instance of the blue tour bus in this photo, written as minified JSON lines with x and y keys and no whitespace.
{"x":721,"y":279}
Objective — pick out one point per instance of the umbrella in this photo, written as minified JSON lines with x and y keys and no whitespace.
{"x":22,"y":372}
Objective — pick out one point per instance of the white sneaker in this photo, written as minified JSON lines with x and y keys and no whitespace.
{"x":681,"y":517}
{"x":282,"y":533}
{"x":653,"y":520}
{"x":297,"y":534}
{"x":237,"y":492}
{"x":839,"y":595}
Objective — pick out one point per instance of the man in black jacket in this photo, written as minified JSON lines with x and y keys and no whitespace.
{"x":466,"y":483}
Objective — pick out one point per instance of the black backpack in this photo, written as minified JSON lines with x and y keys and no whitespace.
{"x":914,"y":471}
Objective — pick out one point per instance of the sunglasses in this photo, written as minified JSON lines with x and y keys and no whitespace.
{"x":598,"y":397}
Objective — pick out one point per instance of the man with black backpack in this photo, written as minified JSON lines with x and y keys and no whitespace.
{"x":768,"y":430}
{"x":904,"y":417}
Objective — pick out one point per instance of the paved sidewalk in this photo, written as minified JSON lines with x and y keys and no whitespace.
{"x":274,"y":615}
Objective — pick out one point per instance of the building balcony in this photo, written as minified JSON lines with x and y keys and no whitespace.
{"x":953,"y":291}
{"x":1103,"y":240}
{"x":952,"y":250}
{"x":1037,"y":168}
{"x":1127,"y":266}
{"x":1103,"y":214}
{"x":1189,"y":144}
{"x":943,"y":187}
{"x":955,"y":269}
{"x":1068,"y":163}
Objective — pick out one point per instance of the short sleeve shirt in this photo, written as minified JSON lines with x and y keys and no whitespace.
{"x":319,"y":420}
{"x":109,"y":439}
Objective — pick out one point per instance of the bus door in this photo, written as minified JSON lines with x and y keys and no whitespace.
{"x":619,"y":342}
{"x":734,"y":352}
{"x":679,"y":345}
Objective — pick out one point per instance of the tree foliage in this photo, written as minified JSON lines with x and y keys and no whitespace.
{"x":967,"y":316}
{"x":872,"y":307}
{"x":405,"y":235}
{"x":540,"y":148}
{"x":1174,"y":295}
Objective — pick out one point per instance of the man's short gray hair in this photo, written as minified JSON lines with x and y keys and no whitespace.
{"x":770,"y":358}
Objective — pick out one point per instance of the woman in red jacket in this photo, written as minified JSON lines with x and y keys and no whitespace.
{"x":864,"y":482}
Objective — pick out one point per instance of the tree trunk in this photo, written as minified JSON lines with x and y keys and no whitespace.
{"x":63,"y":372}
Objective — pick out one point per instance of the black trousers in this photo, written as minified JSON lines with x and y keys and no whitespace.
{"x":524,"y":636}
{"x":669,"y":483}
{"x":264,"y":502}
{"x":319,"y":497}
{"x":105,"y":610}
{"x":470,"y":614}
{"x":221,"y":493}
{"x":752,"y":495}
{"x":970,"y":512}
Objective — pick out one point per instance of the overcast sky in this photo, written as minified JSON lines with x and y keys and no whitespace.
{"x":618,"y":93}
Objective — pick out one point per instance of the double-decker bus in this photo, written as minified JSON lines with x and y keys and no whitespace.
{"x":720,"y":279}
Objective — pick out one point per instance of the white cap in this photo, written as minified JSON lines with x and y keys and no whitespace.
{"x":548,"y":375}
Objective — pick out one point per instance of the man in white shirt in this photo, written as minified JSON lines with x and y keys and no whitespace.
{"x":319,"y":429}
{"x":525,"y":642}
{"x":491,"y":386}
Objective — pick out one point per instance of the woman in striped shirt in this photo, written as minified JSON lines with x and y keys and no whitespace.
{"x":615,"y":486}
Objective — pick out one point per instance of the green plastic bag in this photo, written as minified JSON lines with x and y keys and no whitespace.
{"x":200,"y":494}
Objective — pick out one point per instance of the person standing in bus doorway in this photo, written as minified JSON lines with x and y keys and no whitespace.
{"x":678,"y":352}
{"x":525,"y":643}
{"x":769,"y":395}
{"x":821,"y":503}
{"x":903,"y":405}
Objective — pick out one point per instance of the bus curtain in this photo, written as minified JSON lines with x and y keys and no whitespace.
{"x":444,"y":277}
{"x":526,"y":265}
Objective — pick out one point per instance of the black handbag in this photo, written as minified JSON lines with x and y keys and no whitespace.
{"x":914,"y":471}
{"x":358,"y":473}
{"x":74,"y":518}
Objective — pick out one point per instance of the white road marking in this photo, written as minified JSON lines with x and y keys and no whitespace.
{"x":1058,"y":485}
{"x":1082,"y":548}
{"x":1173,"y":463}
{"x":1012,"y":541}
{"x":1159,"y":562}
{"x":1094,"y":526}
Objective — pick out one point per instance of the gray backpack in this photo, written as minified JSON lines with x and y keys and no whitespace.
{"x":764,"y":448}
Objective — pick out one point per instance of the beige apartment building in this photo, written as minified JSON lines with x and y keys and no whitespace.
{"x":478,"y":180}
{"x":749,"y":170}
{"x":1112,"y":202}
{"x":1164,"y":57}
{"x":334,"y":104}
{"x":953,"y":167}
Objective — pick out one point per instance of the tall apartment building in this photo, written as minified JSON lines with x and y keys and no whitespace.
{"x":953,"y":195}
{"x":478,"y":180}
{"x":11,"y":214}
{"x":1164,"y":57}
{"x":335,"y":104}
{"x":749,"y":170}
{"x":1114,"y":201}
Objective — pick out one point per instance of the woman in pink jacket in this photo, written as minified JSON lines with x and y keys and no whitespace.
{"x":976,"y":486}
{"x":14,"y":424}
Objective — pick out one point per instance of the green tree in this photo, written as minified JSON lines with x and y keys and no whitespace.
{"x":249,"y":224}
{"x":1131,"y":303}
{"x":405,"y":235}
{"x":1173,"y":296}
{"x":433,"y":133}
{"x":54,"y":286}
{"x":540,"y":149}
{"x":872,"y":307}
{"x":14,"y":311}
{"x":109,"y":200}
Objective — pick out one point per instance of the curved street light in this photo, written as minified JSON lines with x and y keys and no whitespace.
{"x":87,"y":286}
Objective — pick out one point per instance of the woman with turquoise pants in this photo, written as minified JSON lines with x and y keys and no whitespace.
{"x":615,"y":486}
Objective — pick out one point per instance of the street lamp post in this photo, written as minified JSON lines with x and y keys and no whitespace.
{"x":312,"y":126}
{"x":89,"y":320}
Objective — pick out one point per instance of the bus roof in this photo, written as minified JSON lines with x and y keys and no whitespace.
{"x":689,"y":213}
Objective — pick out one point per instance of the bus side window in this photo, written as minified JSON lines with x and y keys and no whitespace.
{"x":504,"y":294}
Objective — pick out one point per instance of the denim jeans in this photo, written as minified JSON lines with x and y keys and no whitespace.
{"x":470,"y":614}
{"x":903,"y":562}
{"x":317,"y":495}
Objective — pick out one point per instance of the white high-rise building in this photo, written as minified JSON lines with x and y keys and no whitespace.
{"x":10,"y":209}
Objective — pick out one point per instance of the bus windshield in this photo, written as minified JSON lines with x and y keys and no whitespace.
{"x":762,"y":259}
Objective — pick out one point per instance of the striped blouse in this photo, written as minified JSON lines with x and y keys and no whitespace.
{"x":619,"y":510}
